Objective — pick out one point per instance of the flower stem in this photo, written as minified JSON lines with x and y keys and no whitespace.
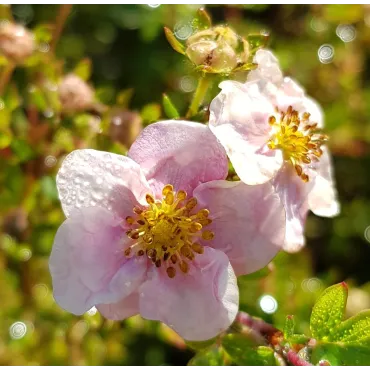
{"x":5,"y":76}
{"x":64,"y":11}
{"x":203,"y":85}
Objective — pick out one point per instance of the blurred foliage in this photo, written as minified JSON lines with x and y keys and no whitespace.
{"x":122,"y":53}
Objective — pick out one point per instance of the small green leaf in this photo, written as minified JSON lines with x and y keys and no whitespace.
{"x":169,"y":108}
{"x":202,"y":20}
{"x":338,"y":354}
{"x":5,"y":138}
{"x":176,"y":45}
{"x":43,"y":33}
{"x":22,"y":150}
{"x":298,"y":339}
{"x":213,"y":356}
{"x":328,"y":311}
{"x":151,"y":112}
{"x":197,"y":346}
{"x":243,"y":351}
{"x":289,"y":326}
{"x":354,"y":330}
{"x":257,"y":41}
{"x":83,"y":69}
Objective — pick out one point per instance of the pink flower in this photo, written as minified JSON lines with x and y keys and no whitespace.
{"x":160,"y":232}
{"x":272,"y":132}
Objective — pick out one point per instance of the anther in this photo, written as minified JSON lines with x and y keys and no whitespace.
{"x":203,"y":213}
{"x":130,"y":220}
{"x":140,"y":253}
{"x":174,"y":259}
{"x":272,"y":120}
{"x":171,"y":272}
{"x":149,"y":199}
{"x":185,"y":251}
{"x":181,"y":194}
{"x":141,"y":222}
{"x":127,"y":252}
{"x":169,"y":198}
{"x":151,"y":253}
{"x":304,"y":177}
{"x":197,"y":248}
{"x":205,"y":222}
{"x":208,"y":235}
{"x":195,"y":227}
{"x":137,"y":210}
{"x":184,"y":267}
{"x":191,"y":203}
{"x":166,"y":256}
{"x":167,"y":189}
{"x":158,"y":263}
{"x":148,"y":238}
{"x":298,"y":169}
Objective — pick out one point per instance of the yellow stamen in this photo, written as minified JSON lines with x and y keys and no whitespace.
{"x":297,"y":138}
{"x":168,"y":231}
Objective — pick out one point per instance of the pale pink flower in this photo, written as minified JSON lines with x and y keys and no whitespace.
{"x":160,"y":232}
{"x":272,"y":132}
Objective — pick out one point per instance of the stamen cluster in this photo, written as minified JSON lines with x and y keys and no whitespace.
{"x":167,"y":230}
{"x":298,"y":138}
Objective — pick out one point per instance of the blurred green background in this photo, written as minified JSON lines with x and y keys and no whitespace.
{"x":128,"y":50}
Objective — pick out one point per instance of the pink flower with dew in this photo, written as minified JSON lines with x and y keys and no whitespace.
{"x":160,"y":232}
{"x":273,"y":132}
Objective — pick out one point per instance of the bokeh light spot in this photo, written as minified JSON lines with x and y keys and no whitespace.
{"x":18,"y":330}
{"x":268,"y":304}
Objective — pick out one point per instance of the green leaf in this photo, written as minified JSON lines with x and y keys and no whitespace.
{"x":169,"y":108}
{"x":43,"y":33}
{"x":289,"y":326}
{"x":83,"y":69}
{"x":176,"y":45}
{"x":260,"y":273}
{"x":213,"y":356}
{"x":124,"y":97}
{"x":243,"y":351}
{"x":22,"y":150}
{"x":5,"y":138}
{"x":338,"y":354}
{"x":354,"y":330}
{"x":298,"y":339}
{"x":328,"y":311}
{"x":202,"y":20}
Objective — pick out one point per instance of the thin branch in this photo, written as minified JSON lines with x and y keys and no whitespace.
{"x":62,"y":16}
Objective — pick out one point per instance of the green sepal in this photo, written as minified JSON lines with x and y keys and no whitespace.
{"x":289,"y":326}
{"x":202,"y":20}
{"x":338,"y":354}
{"x":171,"y":38}
{"x":213,"y":356}
{"x":354,"y":330}
{"x":328,"y":311}
{"x":243,"y":351}
{"x":169,"y":108}
{"x":257,"y":41}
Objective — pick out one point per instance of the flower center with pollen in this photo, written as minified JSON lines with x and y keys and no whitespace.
{"x":167,"y":230}
{"x":298,"y":139}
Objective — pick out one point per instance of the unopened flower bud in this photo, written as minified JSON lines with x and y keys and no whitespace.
{"x":75,"y":94}
{"x":217,"y":49}
{"x":125,"y":127}
{"x":16,"y":42}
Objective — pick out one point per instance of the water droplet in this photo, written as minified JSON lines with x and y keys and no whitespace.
{"x":25,"y":254}
{"x":367,"y":234}
{"x":40,"y":291}
{"x":187,"y":84}
{"x":50,"y":161}
{"x":44,"y":47}
{"x":18,"y":330}
{"x":92,"y":311}
{"x":346,"y":32}
{"x":268,"y":304}
{"x":183,"y":30}
{"x":117,"y":121}
{"x":49,"y":113}
{"x":154,"y":5}
{"x":326,"y":53}
{"x":318,"y":24}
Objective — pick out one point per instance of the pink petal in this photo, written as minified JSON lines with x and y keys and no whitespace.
{"x":248,"y":222}
{"x":184,"y":154}
{"x":87,"y":263}
{"x":93,"y":178}
{"x":322,"y":199}
{"x":126,"y":307}
{"x":293,"y":193}
{"x":198,"y":305}
{"x":239,"y":119}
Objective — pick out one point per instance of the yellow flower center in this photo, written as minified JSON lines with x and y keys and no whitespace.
{"x":167,"y":230}
{"x":298,"y":139}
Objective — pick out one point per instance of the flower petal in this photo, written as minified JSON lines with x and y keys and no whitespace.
{"x":293,"y":193}
{"x":87,"y":263}
{"x":322,"y":199}
{"x":184,"y":154}
{"x":126,"y":307}
{"x":248,"y":222}
{"x":92,"y":178}
{"x":198,"y":305}
{"x":239,"y":119}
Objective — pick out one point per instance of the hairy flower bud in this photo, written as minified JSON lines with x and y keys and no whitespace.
{"x":75,"y":94}
{"x":16,"y":42}
{"x":217,"y":49}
